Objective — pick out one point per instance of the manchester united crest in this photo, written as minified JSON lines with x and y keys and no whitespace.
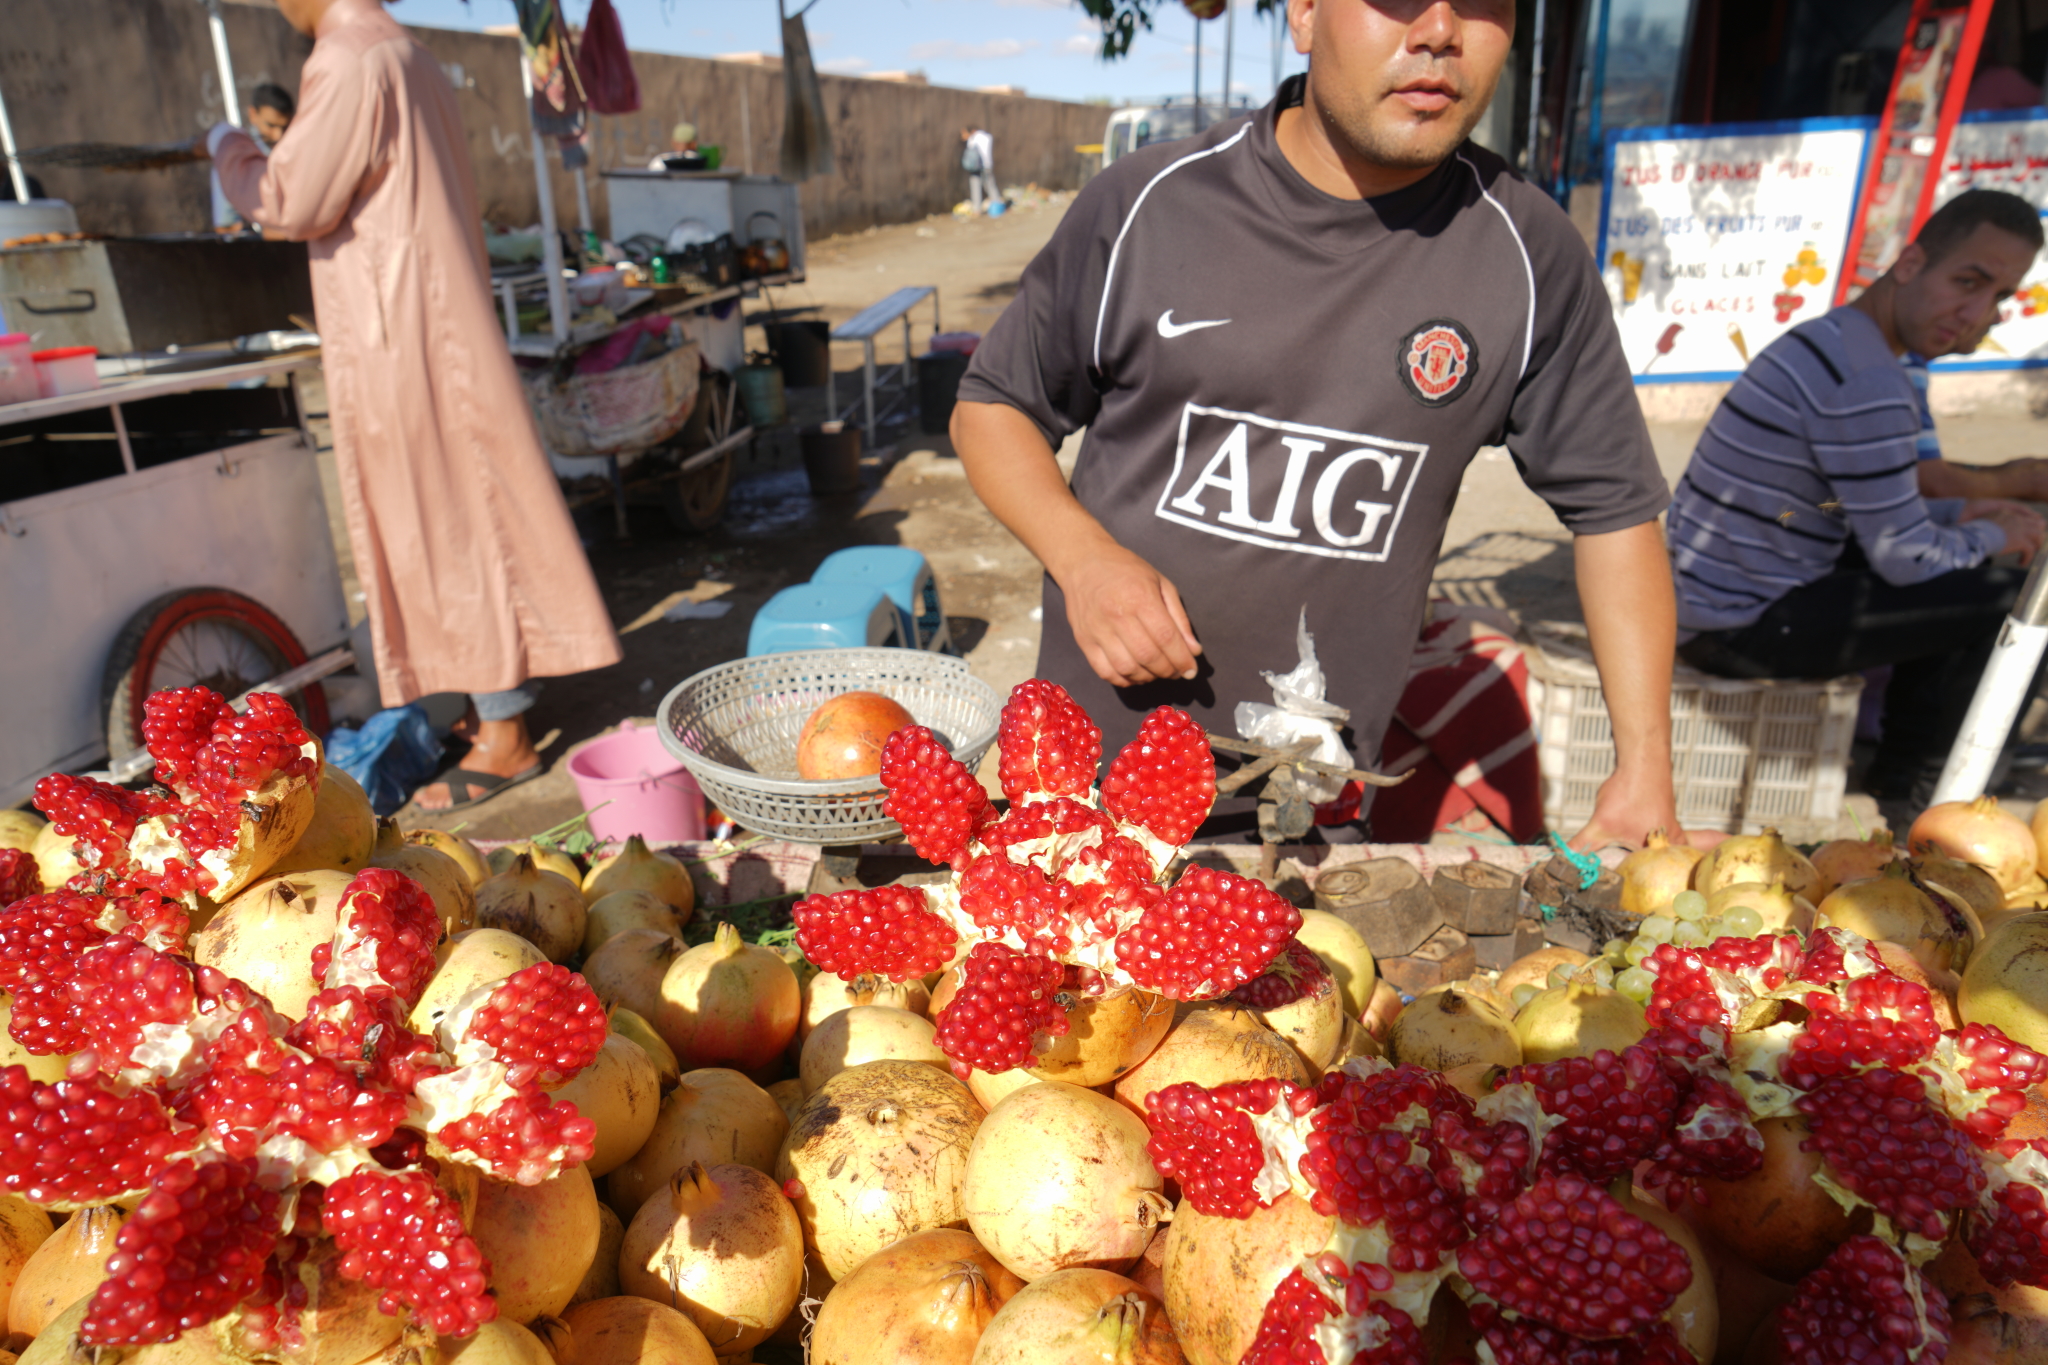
{"x":1438,"y":361}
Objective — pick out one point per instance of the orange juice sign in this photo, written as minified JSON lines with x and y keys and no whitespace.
{"x":1712,"y":246}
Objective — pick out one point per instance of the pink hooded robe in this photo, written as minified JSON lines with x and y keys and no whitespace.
{"x":470,"y":566}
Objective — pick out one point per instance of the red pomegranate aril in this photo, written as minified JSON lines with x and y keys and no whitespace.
{"x":41,"y":940}
{"x":385,"y":936}
{"x":932,"y":795}
{"x":1877,"y":1020}
{"x":176,"y":724}
{"x":1864,"y":1304}
{"x":526,"y":1138}
{"x":1888,"y":1146}
{"x":543,"y":1017}
{"x":2008,"y":1234}
{"x":1287,"y":1329}
{"x":1616,"y":1109}
{"x":1204,"y":1139}
{"x":92,"y":1138}
{"x":20,"y":878}
{"x":403,"y":1234}
{"x":1004,"y":998}
{"x":1296,"y":974}
{"x":1567,"y":1253}
{"x":1000,"y":895}
{"x":1047,"y":744}
{"x":886,"y":931}
{"x":1212,"y":932}
{"x":191,"y":1251}
{"x":1163,"y":781}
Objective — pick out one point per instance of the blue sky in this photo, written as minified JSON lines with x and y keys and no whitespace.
{"x":1047,"y":46}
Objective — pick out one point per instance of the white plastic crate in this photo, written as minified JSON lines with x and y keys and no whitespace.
{"x":1744,"y":754}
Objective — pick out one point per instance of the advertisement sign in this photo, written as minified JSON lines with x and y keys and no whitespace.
{"x":1715,"y":240}
{"x":2005,"y":149}
{"x":1928,"y":85}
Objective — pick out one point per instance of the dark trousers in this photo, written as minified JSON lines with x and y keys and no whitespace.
{"x":1936,"y":635}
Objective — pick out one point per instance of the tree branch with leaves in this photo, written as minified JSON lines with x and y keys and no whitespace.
{"x":1121,"y":19}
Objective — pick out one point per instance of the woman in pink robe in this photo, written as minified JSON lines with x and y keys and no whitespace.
{"x":470,"y":566}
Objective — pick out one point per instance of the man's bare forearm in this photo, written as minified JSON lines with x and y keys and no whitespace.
{"x":1016,"y":474}
{"x":1624,"y":580}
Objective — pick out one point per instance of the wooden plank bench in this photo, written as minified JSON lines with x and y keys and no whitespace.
{"x":864,"y":327}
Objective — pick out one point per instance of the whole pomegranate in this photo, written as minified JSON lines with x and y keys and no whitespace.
{"x":1058,"y":1176}
{"x":843,"y":737}
{"x":1221,"y":1271}
{"x":1654,"y":873}
{"x":1980,"y":832}
{"x":619,"y":1331}
{"x":544,"y":909}
{"x":1080,"y":1317}
{"x":713,"y":1115}
{"x":724,"y":1247}
{"x":539,"y":1240}
{"x":879,"y":1152}
{"x":728,"y":1003}
{"x":926,"y":1298}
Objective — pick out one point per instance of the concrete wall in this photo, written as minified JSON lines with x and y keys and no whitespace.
{"x":139,"y":71}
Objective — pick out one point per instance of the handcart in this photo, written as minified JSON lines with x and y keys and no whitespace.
{"x":163,"y":530}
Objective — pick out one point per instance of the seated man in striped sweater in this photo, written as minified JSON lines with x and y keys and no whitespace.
{"x":1801,"y":545}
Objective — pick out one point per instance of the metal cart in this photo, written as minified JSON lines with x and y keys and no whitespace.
{"x":689,"y":475}
{"x":155,"y":536}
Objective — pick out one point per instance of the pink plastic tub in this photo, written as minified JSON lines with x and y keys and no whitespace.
{"x":632,"y":785}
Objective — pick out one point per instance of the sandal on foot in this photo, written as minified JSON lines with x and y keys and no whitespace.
{"x":469,"y":787}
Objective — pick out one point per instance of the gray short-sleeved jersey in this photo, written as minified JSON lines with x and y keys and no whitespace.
{"x":1282,"y":390}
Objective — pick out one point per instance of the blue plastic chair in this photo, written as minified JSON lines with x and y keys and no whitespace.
{"x":824,"y":616}
{"x":902,"y":573}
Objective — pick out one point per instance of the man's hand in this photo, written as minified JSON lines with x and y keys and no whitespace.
{"x":1128,"y":620}
{"x":2023,"y":527}
{"x":1632,"y":804}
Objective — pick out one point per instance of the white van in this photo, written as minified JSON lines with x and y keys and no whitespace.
{"x":1140,"y":125}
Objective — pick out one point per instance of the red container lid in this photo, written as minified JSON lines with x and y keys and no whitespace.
{"x":66,"y":352}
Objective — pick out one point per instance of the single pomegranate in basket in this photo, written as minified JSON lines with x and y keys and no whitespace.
{"x":843,"y":738}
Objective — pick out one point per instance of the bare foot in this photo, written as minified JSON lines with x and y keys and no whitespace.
{"x":502,"y":748}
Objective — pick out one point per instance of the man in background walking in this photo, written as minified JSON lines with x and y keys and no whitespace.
{"x":978,"y":159}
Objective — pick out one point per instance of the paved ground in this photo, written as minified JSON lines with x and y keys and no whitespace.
{"x":1503,"y":546}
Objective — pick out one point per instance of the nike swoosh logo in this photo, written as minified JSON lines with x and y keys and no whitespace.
{"x":1169,"y":328}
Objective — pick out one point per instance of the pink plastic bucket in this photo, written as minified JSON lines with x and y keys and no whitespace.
{"x":648,"y":791}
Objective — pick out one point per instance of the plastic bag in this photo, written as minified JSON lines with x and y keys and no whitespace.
{"x":390,"y":756}
{"x":1299,"y":712}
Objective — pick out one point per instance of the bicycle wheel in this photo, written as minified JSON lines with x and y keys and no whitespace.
{"x":211,"y":637}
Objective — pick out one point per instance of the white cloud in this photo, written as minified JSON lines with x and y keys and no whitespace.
{"x":948,"y":49}
{"x":1033,"y":4}
{"x":1080,"y":45}
{"x":845,"y":66}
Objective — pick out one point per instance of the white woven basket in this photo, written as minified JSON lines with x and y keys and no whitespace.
{"x":735,"y":728}
{"x":627,"y":409}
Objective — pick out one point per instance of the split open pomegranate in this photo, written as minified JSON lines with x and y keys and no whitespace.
{"x":1060,"y":882}
{"x":233,"y":794}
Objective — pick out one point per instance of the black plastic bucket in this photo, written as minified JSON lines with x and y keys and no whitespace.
{"x":938,"y":388}
{"x":803,"y":350}
{"x":831,"y":457}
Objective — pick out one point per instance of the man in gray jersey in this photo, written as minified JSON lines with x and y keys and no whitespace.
{"x":1287,"y":337}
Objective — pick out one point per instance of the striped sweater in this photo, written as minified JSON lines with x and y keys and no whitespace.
{"x":1817,"y":442}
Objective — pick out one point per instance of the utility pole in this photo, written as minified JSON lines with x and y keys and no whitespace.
{"x":1229,"y":42}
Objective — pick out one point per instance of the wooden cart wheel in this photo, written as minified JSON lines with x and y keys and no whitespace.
{"x":695,"y":500}
{"x":198,"y":636}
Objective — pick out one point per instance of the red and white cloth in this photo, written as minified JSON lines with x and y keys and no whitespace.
{"x":1463,"y":727}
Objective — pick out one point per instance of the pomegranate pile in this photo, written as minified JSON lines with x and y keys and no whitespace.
{"x":315,"y":1090}
{"x":242,"y":1137}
